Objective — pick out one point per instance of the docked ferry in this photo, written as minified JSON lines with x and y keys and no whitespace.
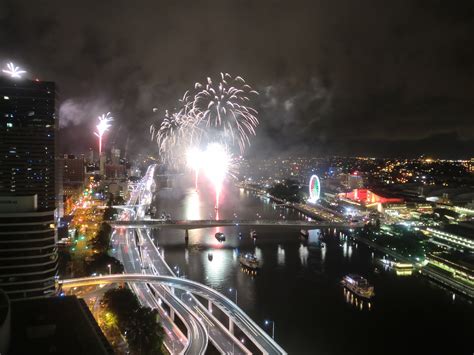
{"x":249,"y":260}
{"x":358,"y":285}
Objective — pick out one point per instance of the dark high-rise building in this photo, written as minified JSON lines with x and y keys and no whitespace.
{"x":28,"y":139}
{"x":73,"y":174}
{"x":29,"y":194}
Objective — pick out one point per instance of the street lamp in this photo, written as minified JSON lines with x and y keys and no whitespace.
{"x":185,"y":294}
{"x":267,"y":322}
{"x":177,"y":270}
{"x":110,"y":269}
{"x":230,"y":290}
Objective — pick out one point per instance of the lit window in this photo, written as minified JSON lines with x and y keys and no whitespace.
{"x":6,"y":98}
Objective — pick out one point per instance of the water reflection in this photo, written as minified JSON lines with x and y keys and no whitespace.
{"x":314,"y":235}
{"x":303,"y":252}
{"x":357,"y":302}
{"x":281,"y":256}
{"x":323,"y":252}
{"x":258,"y":254}
{"x":218,"y":269}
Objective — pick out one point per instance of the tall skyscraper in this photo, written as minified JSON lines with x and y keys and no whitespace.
{"x":29,"y":190}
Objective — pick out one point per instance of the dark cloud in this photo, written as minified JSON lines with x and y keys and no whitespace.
{"x":335,"y":76}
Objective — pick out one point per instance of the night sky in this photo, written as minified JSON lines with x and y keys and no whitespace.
{"x":378,"y":78}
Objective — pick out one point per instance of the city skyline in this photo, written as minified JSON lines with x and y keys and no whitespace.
{"x":236,"y":177}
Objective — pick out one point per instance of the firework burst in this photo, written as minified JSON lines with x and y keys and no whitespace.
{"x":209,"y":121}
{"x":217,"y":164}
{"x":225,"y":106}
{"x":102,"y":127}
{"x":168,"y":134}
{"x":13,"y":71}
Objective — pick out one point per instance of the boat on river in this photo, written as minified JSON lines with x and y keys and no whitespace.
{"x":220,"y":236}
{"x":359,"y":285}
{"x":249,"y":260}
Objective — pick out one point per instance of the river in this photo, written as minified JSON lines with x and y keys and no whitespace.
{"x":298,"y":287}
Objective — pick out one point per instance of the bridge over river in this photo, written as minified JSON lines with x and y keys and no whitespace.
{"x":209,"y":223}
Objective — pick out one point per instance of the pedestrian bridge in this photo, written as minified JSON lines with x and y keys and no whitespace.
{"x":261,"y":339}
{"x":209,"y":223}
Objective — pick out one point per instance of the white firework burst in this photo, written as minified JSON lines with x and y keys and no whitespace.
{"x":225,"y":106}
{"x":13,"y":71}
{"x":102,"y":127}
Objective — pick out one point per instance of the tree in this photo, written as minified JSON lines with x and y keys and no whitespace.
{"x":122,"y":302}
{"x":144,"y":333}
{"x":139,"y":324}
{"x":109,"y":213}
{"x":101,"y":241}
{"x":288,"y":190}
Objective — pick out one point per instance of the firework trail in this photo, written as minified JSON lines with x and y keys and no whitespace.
{"x":102,"y":127}
{"x":217,"y":164}
{"x":195,"y":160}
{"x":168,"y":134}
{"x":225,"y":106}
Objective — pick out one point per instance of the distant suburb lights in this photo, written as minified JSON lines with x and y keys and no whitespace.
{"x":13,"y":71}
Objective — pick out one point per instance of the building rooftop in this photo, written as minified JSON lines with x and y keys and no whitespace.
{"x":465,"y":230}
{"x":55,"y":325}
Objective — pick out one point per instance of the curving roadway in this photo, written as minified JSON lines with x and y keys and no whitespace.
{"x":263,"y":341}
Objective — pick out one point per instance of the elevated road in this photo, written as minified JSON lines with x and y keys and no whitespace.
{"x":144,"y":258}
{"x":197,"y":224}
{"x":265,"y":343}
{"x":129,"y":254}
{"x":219,"y":335}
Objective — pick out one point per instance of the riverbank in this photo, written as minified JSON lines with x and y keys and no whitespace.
{"x":314,"y":212}
{"x":428,"y":270}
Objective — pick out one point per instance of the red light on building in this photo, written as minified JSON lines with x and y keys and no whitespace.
{"x":368,"y":197}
